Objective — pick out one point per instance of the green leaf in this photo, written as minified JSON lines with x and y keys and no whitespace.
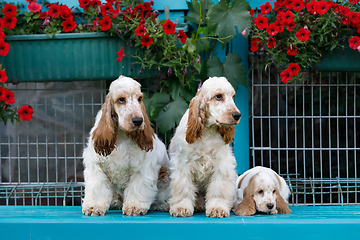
{"x":176,"y":90}
{"x":202,"y":45}
{"x":171,"y":115}
{"x":228,"y":17}
{"x":231,"y":69}
{"x":189,"y":45}
{"x":157,"y":103}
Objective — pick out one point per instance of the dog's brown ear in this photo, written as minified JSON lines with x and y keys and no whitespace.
{"x":105,"y":134}
{"x":247,"y":206}
{"x":143,"y":138}
{"x":196,"y":118}
{"x":227,"y":133}
{"x":281,"y":206}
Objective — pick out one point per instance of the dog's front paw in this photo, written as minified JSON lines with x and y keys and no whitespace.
{"x":217,"y":212}
{"x":133,"y":210}
{"x":181,"y":212}
{"x":94,"y":209}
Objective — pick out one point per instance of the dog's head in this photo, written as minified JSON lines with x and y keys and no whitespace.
{"x":213,"y":105}
{"x":123,"y":109}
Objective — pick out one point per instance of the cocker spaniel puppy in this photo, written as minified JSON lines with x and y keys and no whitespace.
{"x":202,"y":163}
{"x":125,"y":162}
{"x":261,"y":190}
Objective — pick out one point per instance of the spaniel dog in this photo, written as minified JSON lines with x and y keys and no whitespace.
{"x":202,"y":162}
{"x":125,"y":162}
{"x":261,"y":190}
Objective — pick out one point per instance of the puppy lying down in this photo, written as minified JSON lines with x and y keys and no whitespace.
{"x":261,"y":190}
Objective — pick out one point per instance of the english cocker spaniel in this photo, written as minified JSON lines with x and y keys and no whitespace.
{"x":202,"y":163}
{"x":261,"y":190}
{"x":126,"y":165}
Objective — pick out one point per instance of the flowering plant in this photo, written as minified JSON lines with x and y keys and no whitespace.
{"x":297,"y":33}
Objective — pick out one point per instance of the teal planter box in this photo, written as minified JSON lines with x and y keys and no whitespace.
{"x":340,"y":61}
{"x":69,"y":57}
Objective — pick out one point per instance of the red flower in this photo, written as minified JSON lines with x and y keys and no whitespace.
{"x":354,"y":42}
{"x":25,"y":112}
{"x":4,"y":48}
{"x":286,"y":17}
{"x":303,"y":34}
{"x":146,"y":40}
{"x":34,"y":7}
{"x":261,"y":22}
{"x":285,"y":76}
{"x":69,"y":25}
{"x":65,"y":12}
{"x":311,"y":7}
{"x":290,"y":26}
{"x":169,"y":27}
{"x":95,"y":3}
{"x":139,"y":9}
{"x":84,"y":4}
{"x":3,"y":77}
{"x":54,"y":10}
{"x":43,"y":15}
{"x":288,"y":4}
{"x":265,"y":8}
{"x":96,"y":23}
{"x":140,"y":30}
{"x":9,"y":10}
{"x":105,"y":23}
{"x":321,"y":7}
{"x":280,"y":25}
{"x":353,"y":2}
{"x":272,"y":29}
{"x":106,"y":9}
{"x":2,"y":94}
{"x":252,"y":12}
{"x":147,"y":6}
{"x":9,"y":21}
{"x":291,"y":50}
{"x":298,"y":5}
{"x":255,"y":42}
{"x":2,"y":35}
{"x":294,"y":69}
{"x":9,"y":97}
{"x":1,"y":24}
{"x":182,"y":36}
{"x":271,"y":42}
{"x":116,"y":11}
{"x":120,"y":54}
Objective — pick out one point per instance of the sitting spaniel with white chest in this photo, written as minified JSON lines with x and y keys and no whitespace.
{"x":261,"y":190}
{"x":201,"y":161}
{"x":126,"y":165}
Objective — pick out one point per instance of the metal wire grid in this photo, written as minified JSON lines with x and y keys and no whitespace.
{"x":308,"y":130}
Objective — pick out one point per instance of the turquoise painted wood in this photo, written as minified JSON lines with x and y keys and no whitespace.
{"x":61,"y":223}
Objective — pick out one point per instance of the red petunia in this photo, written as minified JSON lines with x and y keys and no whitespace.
{"x":285,"y":76}
{"x":65,"y":12}
{"x":3,"y":77}
{"x":288,"y":4}
{"x":9,"y":97}
{"x":43,"y":15}
{"x":354,"y":42}
{"x":106,"y":9}
{"x":2,"y":35}
{"x":105,"y":23}
{"x":69,"y":25}
{"x":265,"y":8}
{"x":95,"y":3}
{"x":294,"y":69}
{"x":321,"y":7}
{"x":169,"y":27}
{"x":146,"y":40}
{"x":96,"y":23}
{"x":2,"y":94}
{"x":272,"y":29}
{"x":261,"y":22}
{"x":147,"y":6}
{"x":182,"y":36}
{"x":120,"y":54}
{"x":353,"y":2}
{"x":4,"y":48}
{"x":298,"y":5}
{"x":255,"y":42}
{"x":9,"y":10}
{"x":26,"y":112}
{"x":1,"y":24}
{"x":290,"y":26}
{"x":303,"y":34}
{"x":311,"y":7}
{"x":291,"y":50}
{"x":280,"y":25}
{"x":139,"y":9}
{"x":140,"y":30}
{"x":84,"y":4}
{"x":54,"y":10}
{"x":271,"y":42}
{"x":252,"y":12}
{"x":286,"y":17}
{"x":34,"y":7}
{"x":9,"y":21}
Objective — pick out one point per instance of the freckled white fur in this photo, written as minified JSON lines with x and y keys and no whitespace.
{"x":207,"y":165}
{"x":128,"y":172}
{"x":267,"y":180}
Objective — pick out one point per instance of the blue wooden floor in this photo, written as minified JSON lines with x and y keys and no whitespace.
{"x":323,"y":222}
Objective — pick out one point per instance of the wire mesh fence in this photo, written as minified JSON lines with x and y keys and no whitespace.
{"x":308,"y":131}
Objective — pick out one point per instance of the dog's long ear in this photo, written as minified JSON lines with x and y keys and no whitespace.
{"x":227,"y":133}
{"x":247,"y":206}
{"x":196,"y":118}
{"x":105,"y":134}
{"x":143,"y":138}
{"x":281,"y":206}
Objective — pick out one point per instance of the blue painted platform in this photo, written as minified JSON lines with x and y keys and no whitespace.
{"x":323,"y":222}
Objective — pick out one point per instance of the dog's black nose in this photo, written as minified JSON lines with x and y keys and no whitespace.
{"x":236,"y":116}
{"x":270,"y":206}
{"x":137,"y":121}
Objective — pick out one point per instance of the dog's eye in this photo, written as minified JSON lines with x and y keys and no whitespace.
{"x":261,"y":192}
{"x":274,"y":191}
{"x":121,"y":100}
{"x":140,"y":99}
{"x":218,"y":97}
